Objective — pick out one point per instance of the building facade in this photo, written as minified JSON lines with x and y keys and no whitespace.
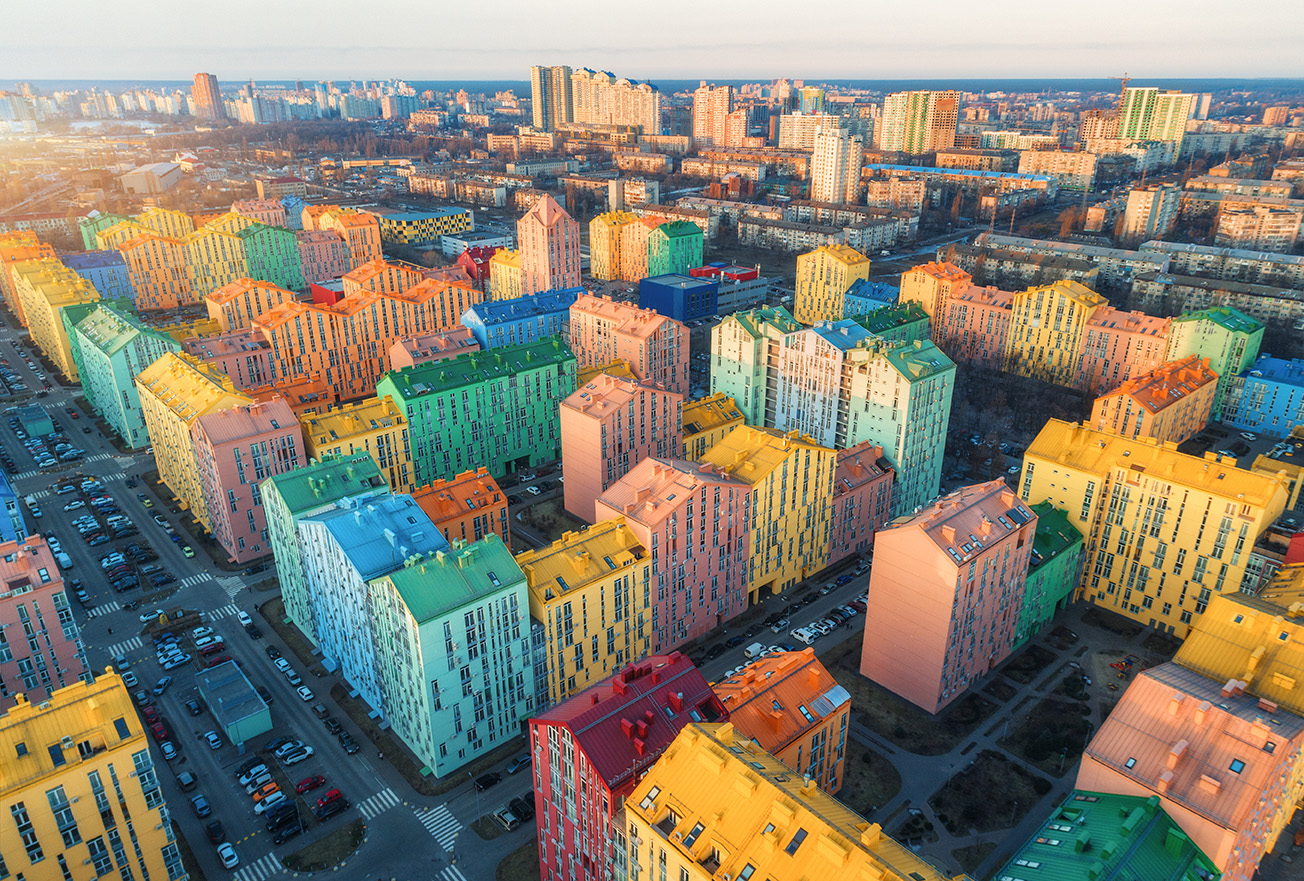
{"x":823,"y":277}
{"x":39,"y":639}
{"x":548,"y":240}
{"x":1170,"y":403}
{"x":656,"y":347}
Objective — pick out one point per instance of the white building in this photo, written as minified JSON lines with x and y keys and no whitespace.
{"x":835,"y":167}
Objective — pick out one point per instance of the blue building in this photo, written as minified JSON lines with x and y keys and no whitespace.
{"x":864,"y":297}
{"x":681,"y":297}
{"x":522,"y":320}
{"x":1268,"y":398}
{"x":104,"y":269}
{"x":12,"y":525}
{"x":293,"y":211}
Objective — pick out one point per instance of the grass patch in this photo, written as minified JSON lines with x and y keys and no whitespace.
{"x":1028,"y":664}
{"x":1054,"y":728}
{"x":868,"y":782}
{"x":1111,"y":621}
{"x":993,"y":793}
{"x":550,"y":519}
{"x":971,"y":857}
{"x":521,"y":864}
{"x":1072,"y":686}
{"x":897,"y":719}
{"x":1000,"y":690}
{"x":487,"y":828}
{"x":1062,"y":637}
{"x":327,"y":852}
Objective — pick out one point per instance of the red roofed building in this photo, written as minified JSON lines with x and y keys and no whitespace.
{"x":476,"y":263}
{"x":591,"y":751}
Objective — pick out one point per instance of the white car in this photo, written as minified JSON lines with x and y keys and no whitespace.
{"x":151,"y":615}
{"x":533,"y":490}
{"x":252,"y":774}
{"x":305,"y":693}
{"x":230,"y":859}
{"x":297,"y":756}
{"x":74,"y":505}
{"x":214,"y":740}
{"x":270,"y":802}
{"x":1249,"y":436}
{"x":201,"y":632}
{"x":244,"y":619}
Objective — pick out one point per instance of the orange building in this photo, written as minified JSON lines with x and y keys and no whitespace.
{"x":306,"y":395}
{"x":974,"y":325}
{"x":360,"y":231}
{"x":236,"y":305}
{"x":656,"y":347}
{"x":1118,"y":345}
{"x":633,"y":247}
{"x":862,"y":500}
{"x":945,"y":593}
{"x":790,"y":705}
{"x":19,"y":247}
{"x":431,"y":347}
{"x":160,"y":272}
{"x":930,"y":285}
{"x":467,"y":507}
{"x":381,"y":277}
{"x":323,"y":254}
{"x":1170,"y":403}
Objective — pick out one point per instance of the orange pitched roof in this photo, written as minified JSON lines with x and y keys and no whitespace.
{"x":1167,"y":383}
{"x":449,"y":499}
{"x":767,"y":699}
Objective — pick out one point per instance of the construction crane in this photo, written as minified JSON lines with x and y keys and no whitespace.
{"x":1125,"y":79}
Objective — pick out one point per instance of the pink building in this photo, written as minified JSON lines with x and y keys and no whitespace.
{"x":945,"y":593}
{"x":548,"y":240}
{"x":242,"y":355}
{"x":40,"y":648}
{"x":974,"y":324}
{"x":656,"y":347}
{"x":268,"y":211}
{"x":431,"y":347}
{"x":1224,"y":764}
{"x":862,"y":498}
{"x":236,"y":449}
{"x":1118,"y":345}
{"x":323,"y":254}
{"x":931,"y":285}
{"x":234,"y":306}
{"x":607,"y":427}
{"x":693,"y":519}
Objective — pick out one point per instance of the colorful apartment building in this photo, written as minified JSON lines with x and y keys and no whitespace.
{"x":236,"y":305}
{"x":974,"y":325}
{"x":15,"y":248}
{"x":1227,"y":339}
{"x":175,"y":391}
{"x":945,"y":593}
{"x":158,"y":267}
{"x":43,"y":650}
{"x":236,"y":449}
{"x":548,"y":240}
{"x":1048,"y":325}
{"x":590,"y":753}
{"x":522,"y":320}
{"x":862,"y":500}
{"x":290,"y":497}
{"x":605,"y":240}
{"x":633,"y":248}
{"x":790,"y":706}
{"x":656,"y":347}
{"x":79,"y":783}
{"x":496,"y":410}
{"x":1170,"y":403}
{"x":1119,"y":345}
{"x":505,"y":282}
{"x":706,"y":422}
{"x":591,"y":590}
{"x":1054,"y":571}
{"x":242,"y":355}
{"x":741,"y":346}
{"x":306,"y":396}
{"x":1164,"y":531}
{"x":46,"y":288}
{"x":903,"y":322}
{"x":381,"y":277}
{"x":789,"y":529}
{"x":374,"y":426}
{"x":268,"y":211}
{"x":466,"y":508}
{"x":111,"y":347}
{"x":92,"y":224}
{"x":215,"y":254}
{"x":1226,"y":765}
{"x":674,"y":248}
{"x":360,"y":231}
{"x":431,"y":346}
{"x":716,"y":803}
{"x":105,"y":270}
{"x":608,"y":426}
{"x":323,"y":254}
{"x":1267,"y":398}
{"x":823,"y":277}
{"x":167,"y":222}
{"x":422,"y":227}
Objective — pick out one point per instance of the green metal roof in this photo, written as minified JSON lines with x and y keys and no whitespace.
{"x":327,"y":481}
{"x":890,"y":317}
{"x":1055,"y":534}
{"x":1224,"y":316}
{"x":676,"y":229}
{"x":917,"y":360}
{"x":434,"y":585}
{"x":776,"y":316}
{"x":110,"y":326}
{"x":474,"y":367}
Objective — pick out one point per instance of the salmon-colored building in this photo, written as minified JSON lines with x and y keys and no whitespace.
{"x":381,"y":277}
{"x":236,"y":305}
{"x":237,"y":449}
{"x":633,"y":247}
{"x":548,"y":240}
{"x":945,"y":593}
{"x":432,"y":346}
{"x":306,"y":395}
{"x":323,"y":254}
{"x":159,"y":271}
{"x":1170,"y":403}
{"x":608,"y":426}
{"x":694,"y":521}
{"x":1118,"y":345}
{"x":242,"y":355}
{"x":974,"y":325}
{"x":1227,"y":766}
{"x":360,"y":231}
{"x":43,"y":650}
{"x":467,"y":507}
{"x":862,"y":500}
{"x":930,"y":285}
{"x":268,"y":211}
{"x":790,"y":705}
{"x":656,"y":347}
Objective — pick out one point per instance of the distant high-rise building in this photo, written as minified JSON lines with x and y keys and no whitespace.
{"x":600,"y":98}
{"x":812,"y":99}
{"x":919,"y":122}
{"x":550,"y":92}
{"x":1150,"y":213}
{"x":835,"y":167}
{"x":711,"y":108}
{"x":1150,"y":114}
{"x":207,"y":97}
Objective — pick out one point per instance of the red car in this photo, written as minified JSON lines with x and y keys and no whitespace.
{"x":330,"y":796}
{"x":151,"y":715}
{"x":220,"y":659}
{"x":308,"y":784}
{"x":160,"y":733}
{"x":213,"y":649}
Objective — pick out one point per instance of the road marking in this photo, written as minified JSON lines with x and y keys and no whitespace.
{"x":453,"y":873}
{"x":123,"y":647}
{"x":440,"y":823}
{"x":260,"y":869}
{"x":378,"y":803}
{"x":194,"y":580}
{"x":232,"y":585}
{"x":224,"y":612}
{"x":39,"y":494}
{"x":103,"y":610}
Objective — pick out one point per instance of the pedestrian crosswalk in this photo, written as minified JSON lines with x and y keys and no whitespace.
{"x":259,"y":869}
{"x":440,"y":822}
{"x":129,"y":645}
{"x":224,"y":612}
{"x":104,"y":609}
{"x":232,"y":585}
{"x":452,"y":873}
{"x":378,"y":803}
{"x":39,"y":495}
{"x":198,"y":578}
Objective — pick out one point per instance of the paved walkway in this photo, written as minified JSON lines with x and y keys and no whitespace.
{"x":925,"y":775}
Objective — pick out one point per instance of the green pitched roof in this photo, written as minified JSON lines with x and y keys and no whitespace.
{"x":1055,"y":534}
{"x":434,"y":585}
{"x":917,"y":360}
{"x":110,"y":326}
{"x":474,"y":367}
{"x":327,"y":481}
{"x":889,"y":317}
{"x":776,"y":316}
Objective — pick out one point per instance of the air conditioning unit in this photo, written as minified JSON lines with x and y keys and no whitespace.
{"x":66,"y":743}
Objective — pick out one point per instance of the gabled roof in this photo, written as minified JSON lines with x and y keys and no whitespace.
{"x":779,"y":698}
{"x":320,"y":484}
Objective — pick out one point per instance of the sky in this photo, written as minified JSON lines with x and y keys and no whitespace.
{"x":672,"y":39}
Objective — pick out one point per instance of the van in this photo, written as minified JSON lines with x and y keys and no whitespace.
{"x":187,"y":781}
{"x":804,"y":635}
{"x":64,"y":561}
{"x":753,"y":651}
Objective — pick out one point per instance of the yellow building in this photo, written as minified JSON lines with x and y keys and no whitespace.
{"x":604,"y":243}
{"x":717,"y":805}
{"x":505,"y":275}
{"x":45,"y":288}
{"x":166,"y":222}
{"x":707,"y":421}
{"x":591,"y":590}
{"x":78,"y":790}
{"x":823,"y":276}
{"x":175,"y":391}
{"x":618,"y":369}
{"x":185,"y":330}
{"x":1046,"y":327}
{"x":1164,"y":532}
{"x":215,"y":256}
{"x":373,"y":426}
{"x":791,"y":502}
{"x":420,"y":227}
{"x":160,"y":271}
{"x":120,"y":233}
{"x":1290,"y":462}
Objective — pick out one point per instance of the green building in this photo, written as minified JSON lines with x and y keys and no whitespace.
{"x":306,"y":492}
{"x":740,"y":351}
{"x":110,"y":346}
{"x":906,"y":322}
{"x":272,"y":254}
{"x":97,"y":222}
{"x":1094,"y":836}
{"x":495,"y":409}
{"x":1228,"y":338}
{"x":674,"y":248}
{"x":1053,"y":571}
{"x":453,"y":653}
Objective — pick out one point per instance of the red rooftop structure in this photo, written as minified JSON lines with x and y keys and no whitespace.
{"x":476,"y":263}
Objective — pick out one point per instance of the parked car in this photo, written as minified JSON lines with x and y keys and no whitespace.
{"x":485,"y":781}
{"x":305,"y":693}
{"x":200,"y":805}
{"x":308,"y":784}
{"x":522,"y":807}
{"x":348,"y":743}
{"x":297,"y":756}
{"x":216,"y":834}
{"x":162,"y":685}
{"x":520,"y":763}
{"x":194,"y":706}
{"x":226,"y":853}
{"x":214,"y":740}
{"x":268,"y":803}
{"x":326,"y":811}
{"x":169,"y":751}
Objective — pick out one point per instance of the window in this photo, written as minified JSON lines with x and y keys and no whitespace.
{"x":56,"y":754}
{"x":1237,"y":766}
{"x":1130,"y":763}
{"x":693,"y":834}
{"x":796,"y":842}
{"x":120,"y":725}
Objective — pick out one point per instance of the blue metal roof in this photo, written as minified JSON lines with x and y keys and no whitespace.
{"x":378,"y":535}
{"x":961,"y":172}
{"x":529,"y":306}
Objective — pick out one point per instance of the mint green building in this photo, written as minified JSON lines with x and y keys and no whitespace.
{"x":453,"y":651}
{"x":1228,"y":338}
{"x":96,"y":222}
{"x":905,"y":323}
{"x":272,"y":254}
{"x":496,"y":409}
{"x":674,"y":248}
{"x":306,"y":492}
{"x":1054,"y":568}
{"x":110,"y":345}
{"x":740,"y":350}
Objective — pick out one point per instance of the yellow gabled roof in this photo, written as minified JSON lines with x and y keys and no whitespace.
{"x":578,"y":558}
{"x":709,"y":413}
{"x":750,"y":453}
{"x":844,"y":254}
